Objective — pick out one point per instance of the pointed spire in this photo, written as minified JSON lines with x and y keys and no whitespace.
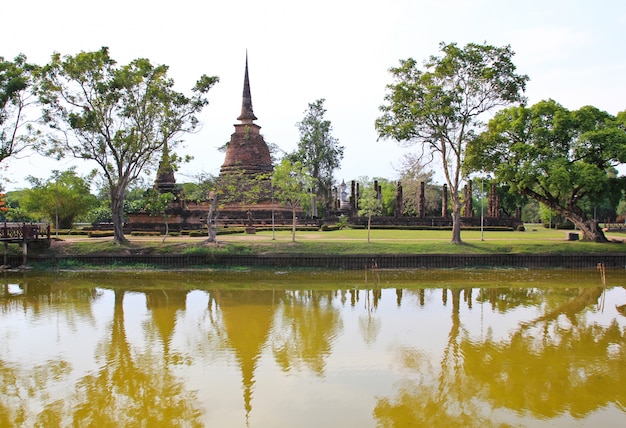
{"x":247,"y":115}
{"x":165,"y":180}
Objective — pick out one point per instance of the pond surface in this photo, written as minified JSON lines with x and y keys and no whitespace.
{"x":314,"y":349}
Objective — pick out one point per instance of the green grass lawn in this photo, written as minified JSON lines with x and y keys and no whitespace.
{"x":351,"y":241}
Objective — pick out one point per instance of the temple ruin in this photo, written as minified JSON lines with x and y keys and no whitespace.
{"x":244,"y":193}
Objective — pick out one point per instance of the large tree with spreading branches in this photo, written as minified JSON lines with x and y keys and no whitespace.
{"x":119,"y":117}
{"x":440,"y":107}
{"x":561,"y":158}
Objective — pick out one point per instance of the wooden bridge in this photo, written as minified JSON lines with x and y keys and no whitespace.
{"x":23,"y":233}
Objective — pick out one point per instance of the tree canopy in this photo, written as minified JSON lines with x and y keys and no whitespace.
{"x":117,"y":116}
{"x":16,"y":78}
{"x":440,"y":107}
{"x":561,"y":158}
{"x":63,"y":197}
{"x":318,"y":150}
{"x":291,"y":183}
{"x":369,"y":206}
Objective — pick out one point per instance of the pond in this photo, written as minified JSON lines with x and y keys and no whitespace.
{"x":264,"y":348}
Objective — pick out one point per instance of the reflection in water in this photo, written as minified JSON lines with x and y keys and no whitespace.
{"x":402,"y":349}
{"x":247,"y":319}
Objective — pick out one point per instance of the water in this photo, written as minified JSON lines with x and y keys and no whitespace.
{"x":310,"y":349}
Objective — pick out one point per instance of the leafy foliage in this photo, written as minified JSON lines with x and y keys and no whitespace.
{"x":156,"y":204}
{"x":413,"y":172}
{"x":370,"y":206}
{"x":15,"y":97}
{"x":440,"y":108}
{"x":563,"y":159}
{"x":64,"y":195}
{"x":291,"y":183}
{"x":318,"y":150}
{"x":117,"y":116}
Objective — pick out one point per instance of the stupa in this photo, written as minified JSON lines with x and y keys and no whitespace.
{"x":247,"y":165}
{"x":246,"y":153}
{"x":245,"y":176}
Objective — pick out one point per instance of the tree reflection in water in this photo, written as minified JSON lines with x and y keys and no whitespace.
{"x":553,"y":365}
{"x":137,"y":389}
{"x":405,"y":355}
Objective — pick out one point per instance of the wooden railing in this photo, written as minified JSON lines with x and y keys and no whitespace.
{"x":24,"y":231}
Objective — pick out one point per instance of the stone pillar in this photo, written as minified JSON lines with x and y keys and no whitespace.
{"x":468,"y":210}
{"x":352,"y":197}
{"x":377,"y":190}
{"x":421,"y":204}
{"x":490,"y":201}
{"x":399,"y":201}
{"x":497,"y":211}
{"x":444,"y":201}
{"x":494,"y":203}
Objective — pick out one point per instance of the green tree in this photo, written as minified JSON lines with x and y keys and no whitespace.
{"x":200,"y":189}
{"x":242,"y":189}
{"x":119,"y":117}
{"x":15,"y":98}
{"x":413,"y":171}
{"x":563,"y":159}
{"x":369,"y":206}
{"x":14,"y":211}
{"x":156,"y":204}
{"x":388,"y":191}
{"x":318,"y":150}
{"x":291,"y":183}
{"x":204,"y":190}
{"x":440,"y":108}
{"x":64,"y":196}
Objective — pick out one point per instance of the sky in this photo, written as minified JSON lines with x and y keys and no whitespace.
{"x":338,"y":50}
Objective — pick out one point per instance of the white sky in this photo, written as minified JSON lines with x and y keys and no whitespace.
{"x":340,"y":50}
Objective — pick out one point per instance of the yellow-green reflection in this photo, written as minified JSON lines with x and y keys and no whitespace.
{"x":261,"y":349}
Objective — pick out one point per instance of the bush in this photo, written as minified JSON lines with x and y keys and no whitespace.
{"x":100,"y":233}
{"x":145,"y":233}
{"x":78,"y":232}
{"x":567,"y":225}
{"x":342,"y":222}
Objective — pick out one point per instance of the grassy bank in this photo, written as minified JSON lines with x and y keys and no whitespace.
{"x":535,"y":240}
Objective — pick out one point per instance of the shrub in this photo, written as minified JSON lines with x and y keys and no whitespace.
{"x":145,"y":233}
{"x":100,"y":233}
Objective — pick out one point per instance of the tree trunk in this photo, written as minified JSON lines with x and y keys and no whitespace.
{"x":211,"y":223}
{"x":117,"y":215}
{"x":456,"y":220}
{"x":293,"y":225}
{"x":591,"y":230}
{"x":167,"y":230}
{"x":369,"y":225}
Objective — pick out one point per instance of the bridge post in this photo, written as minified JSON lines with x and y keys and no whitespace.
{"x":24,"y":252}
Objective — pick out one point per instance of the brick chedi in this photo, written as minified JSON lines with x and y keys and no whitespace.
{"x":165,"y":180}
{"x":247,"y":151}
{"x":244,"y":180}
